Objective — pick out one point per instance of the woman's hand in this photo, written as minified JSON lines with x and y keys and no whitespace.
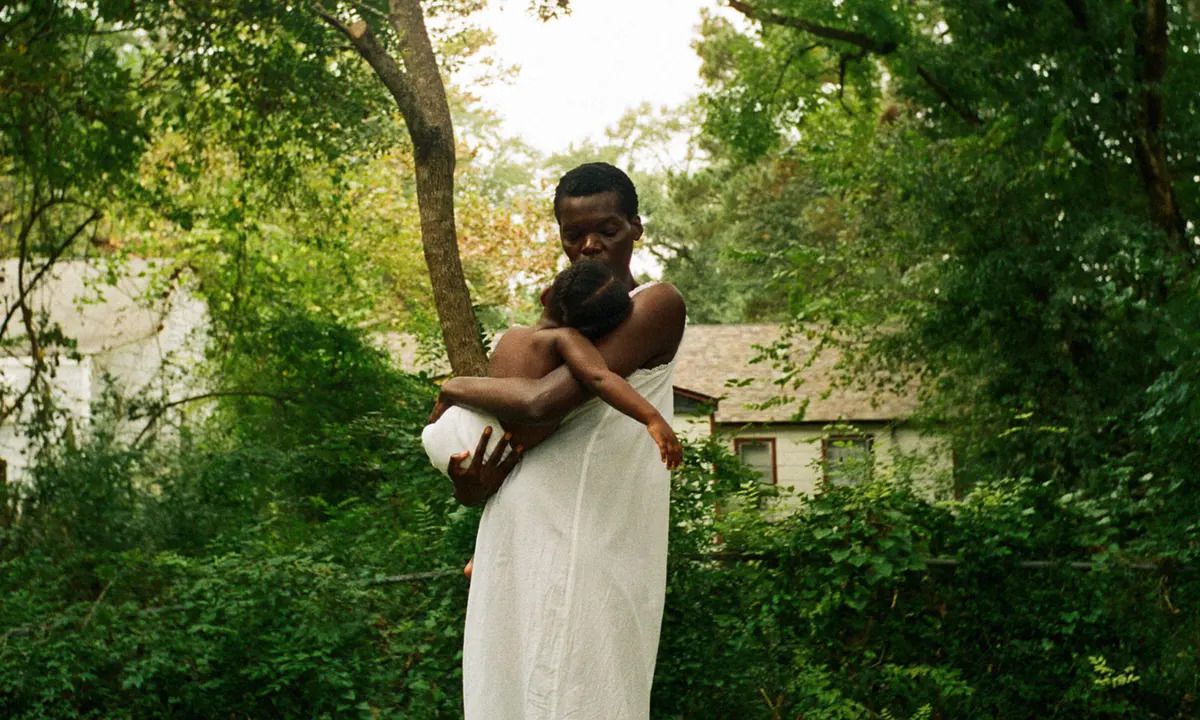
{"x":481,"y":479}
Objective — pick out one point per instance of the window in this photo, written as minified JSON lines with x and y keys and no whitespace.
{"x":759,"y":455}
{"x":846,"y":458}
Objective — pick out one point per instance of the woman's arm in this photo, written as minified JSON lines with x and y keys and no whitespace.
{"x":650,"y":336}
{"x":524,"y":401}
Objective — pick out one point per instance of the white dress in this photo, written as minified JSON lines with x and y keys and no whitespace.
{"x":567,"y":591}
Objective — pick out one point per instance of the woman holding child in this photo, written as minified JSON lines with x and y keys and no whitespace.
{"x":569,"y":577}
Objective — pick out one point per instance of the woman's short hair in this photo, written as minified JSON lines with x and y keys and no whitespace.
{"x":594,"y":178}
{"x":588,"y":298}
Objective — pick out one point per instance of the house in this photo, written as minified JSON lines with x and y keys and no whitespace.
{"x":803,"y":436}
{"x":127,"y":335}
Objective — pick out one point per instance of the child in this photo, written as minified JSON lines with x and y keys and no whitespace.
{"x":583,"y":304}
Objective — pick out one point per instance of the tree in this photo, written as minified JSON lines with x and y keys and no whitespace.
{"x":63,"y":88}
{"x":416,"y":85}
{"x":1008,"y":194}
{"x":270,"y":62}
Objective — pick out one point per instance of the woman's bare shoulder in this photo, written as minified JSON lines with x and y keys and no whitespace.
{"x":657,"y":291}
{"x":662,"y":304}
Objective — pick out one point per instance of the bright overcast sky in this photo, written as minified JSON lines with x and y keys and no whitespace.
{"x":579,"y":73}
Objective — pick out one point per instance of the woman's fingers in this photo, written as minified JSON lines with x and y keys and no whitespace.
{"x":481,"y":448}
{"x":498,"y":454}
{"x":511,"y":461}
{"x":676,"y":455}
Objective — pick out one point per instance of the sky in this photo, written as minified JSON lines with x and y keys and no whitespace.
{"x":579,"y":73}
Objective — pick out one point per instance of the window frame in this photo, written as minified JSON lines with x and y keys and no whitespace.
{"x":737,"y":446}
{"x":828,"y":440}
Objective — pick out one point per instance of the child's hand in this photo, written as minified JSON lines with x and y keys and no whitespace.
{"x":669,"y":448}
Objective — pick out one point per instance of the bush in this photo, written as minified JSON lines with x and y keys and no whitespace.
{"x":834,"y":612}
{"x":241,"y":573}
{"x":239,"y":570}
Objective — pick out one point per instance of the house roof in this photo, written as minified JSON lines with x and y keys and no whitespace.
{"x":716,"y":360}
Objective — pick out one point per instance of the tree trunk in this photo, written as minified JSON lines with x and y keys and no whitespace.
{"x":1150,"y":147}
{"x":435,"y":199}
{"x":419,"y":93}
{"x":434,"y":158}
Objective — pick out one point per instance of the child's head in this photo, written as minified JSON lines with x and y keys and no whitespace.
{"x":588,"y":298}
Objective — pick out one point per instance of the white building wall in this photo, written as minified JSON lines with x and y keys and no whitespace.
{"x":70,"y":391}
{"x":692,"y":427}
{"x":897,"y":451}
{"x":148,"y":347}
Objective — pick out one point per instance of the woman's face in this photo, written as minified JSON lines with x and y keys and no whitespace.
{"x":593,"y":226}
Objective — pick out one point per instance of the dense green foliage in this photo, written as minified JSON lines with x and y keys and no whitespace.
{"x":238,"y":572}
{"x":993,"y":198}
{"x":233,"y":588}
{"x":835,"y":612}
{"x":999,"y":199}
{"x":974,"y":194}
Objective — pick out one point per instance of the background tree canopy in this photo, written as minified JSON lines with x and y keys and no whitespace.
{"x":998,"y":199}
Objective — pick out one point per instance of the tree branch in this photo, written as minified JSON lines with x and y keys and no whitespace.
{"x":857,"y":39}
{"x":944,"y":95}
{"x":161,"y":410}
{"x":7,"y":410}
{"x":865,"y":43}
{"x":787,"y":65}
{"x":425,"y":77}
{"x":23,"y":288}
{"x":844,"y":60}
{"x":385,"y":66}
{"x":421,"y":97}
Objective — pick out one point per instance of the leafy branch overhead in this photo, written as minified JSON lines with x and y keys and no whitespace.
{"x":925,"y":45}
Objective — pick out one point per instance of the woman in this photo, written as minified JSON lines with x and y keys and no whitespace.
{"x":567,"y":594}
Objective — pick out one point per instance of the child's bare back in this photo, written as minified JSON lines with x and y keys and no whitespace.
{"x":527,"y":352}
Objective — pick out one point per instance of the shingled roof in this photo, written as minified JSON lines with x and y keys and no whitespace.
{"x":715,"y":360}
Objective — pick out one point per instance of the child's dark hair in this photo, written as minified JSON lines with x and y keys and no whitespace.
{"x":588,"y":298}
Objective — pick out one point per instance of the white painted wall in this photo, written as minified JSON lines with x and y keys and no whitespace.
{"x":895,"y":448}
{"x":149,"y":347}
{"x":70,"y":390}
{"x":692,"y":427}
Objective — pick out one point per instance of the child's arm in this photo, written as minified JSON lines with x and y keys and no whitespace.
{"x":588,"y":367}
